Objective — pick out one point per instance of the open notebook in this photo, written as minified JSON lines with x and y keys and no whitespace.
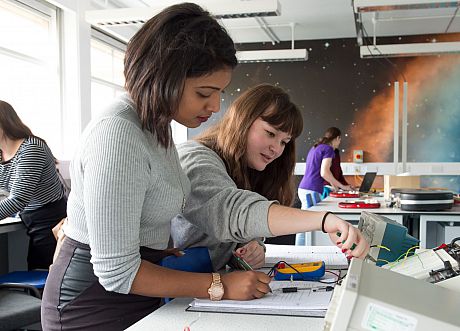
{"x":305,"y":302}
{"x":331,"y":255}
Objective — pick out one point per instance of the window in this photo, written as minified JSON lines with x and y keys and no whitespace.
{"x":107,"y":78}
{"x":29,"y":66}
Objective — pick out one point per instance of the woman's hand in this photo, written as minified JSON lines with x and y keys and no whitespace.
{"x":245,"y":285}
{"x":253,"y":253}
{"x":350,"y":240}
{"x":347,"y":187}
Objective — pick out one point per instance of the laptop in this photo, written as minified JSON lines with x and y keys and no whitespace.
{"x":368,"y":180}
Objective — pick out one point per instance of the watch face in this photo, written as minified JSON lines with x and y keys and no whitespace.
{"x":216,"y":291}
{"x":219,"y":289}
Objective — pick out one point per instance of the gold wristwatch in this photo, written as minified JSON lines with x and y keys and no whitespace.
{"x":216,"y":290}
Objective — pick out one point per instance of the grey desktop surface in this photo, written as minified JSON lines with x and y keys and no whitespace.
{"x":332,"y":204}
{"x":173,"y":316}
{"x":11,"y":224}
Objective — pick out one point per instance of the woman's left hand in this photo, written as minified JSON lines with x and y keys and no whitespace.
{"x":253,"y":253}
{"x":350,"y":239}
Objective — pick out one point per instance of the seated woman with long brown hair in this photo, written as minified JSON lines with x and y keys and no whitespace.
{"x":241,"y":175}
{"x":28,"y":173}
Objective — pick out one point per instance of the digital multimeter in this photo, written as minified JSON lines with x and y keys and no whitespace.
{"x":300,"y":271}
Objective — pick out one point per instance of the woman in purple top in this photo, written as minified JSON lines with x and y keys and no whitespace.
{"x":318,"y":166}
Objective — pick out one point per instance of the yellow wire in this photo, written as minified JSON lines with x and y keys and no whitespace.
{"x":405,"y":256}
{"x":407,"y":253}
{"x":384,"y":247}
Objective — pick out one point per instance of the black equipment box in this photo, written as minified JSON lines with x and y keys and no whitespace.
{"x":423,"y":200}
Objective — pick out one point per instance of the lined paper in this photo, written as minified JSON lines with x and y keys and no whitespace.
{"x":305,"y":300}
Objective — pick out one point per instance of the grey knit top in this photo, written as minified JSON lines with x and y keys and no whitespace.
{"x":218,"y":215}
{"x":125,"y":190}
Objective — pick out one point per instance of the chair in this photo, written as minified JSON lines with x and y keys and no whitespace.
{"x":309,"y":200}
{"x":316,"y":198}
{"x":326,"y":191}
{"x":19,"y":306}
{"x":195,"y":259}
{"x":35,"y":278}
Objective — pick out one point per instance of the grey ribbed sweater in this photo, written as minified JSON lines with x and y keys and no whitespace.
{"x":125,"y":191}
{"x":218,"y":215}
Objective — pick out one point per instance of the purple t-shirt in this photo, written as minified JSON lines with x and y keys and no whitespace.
{"x":312,"y":179}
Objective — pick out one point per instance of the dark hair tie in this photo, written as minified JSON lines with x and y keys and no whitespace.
{"x":324,"y":221}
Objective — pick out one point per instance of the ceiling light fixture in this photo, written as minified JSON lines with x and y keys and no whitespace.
{"x":402,"y":50}
{"x":411,"y":9}
{"x":274,"y":55}
{"x":387,"y":5}
{"x":218,"y":8}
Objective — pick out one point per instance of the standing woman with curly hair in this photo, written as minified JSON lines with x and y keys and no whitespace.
{"x":127,"y":182}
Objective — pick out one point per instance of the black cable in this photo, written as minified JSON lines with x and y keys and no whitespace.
{"x":272,"y":270}
{"x":394,"y":65}
{"x":454,"y":240}
{"x":451,"y":19}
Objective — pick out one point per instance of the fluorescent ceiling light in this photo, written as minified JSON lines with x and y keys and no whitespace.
{"x":386,"y":5}
{"x":218,"y":8}
{"x":416,"y":49}
{"x":272,"y":55}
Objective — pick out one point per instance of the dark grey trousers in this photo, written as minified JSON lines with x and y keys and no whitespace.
{"x":73,"y":299}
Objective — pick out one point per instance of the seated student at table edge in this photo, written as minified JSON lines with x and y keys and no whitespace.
{"x":28,"y":172}
{"x":241,"y":172}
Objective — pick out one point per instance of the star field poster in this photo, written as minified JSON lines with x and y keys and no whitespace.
{"x":335,"y":87}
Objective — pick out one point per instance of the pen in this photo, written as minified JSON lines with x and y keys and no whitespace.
{"x":245,"y":265}
{"x":314,"y":289}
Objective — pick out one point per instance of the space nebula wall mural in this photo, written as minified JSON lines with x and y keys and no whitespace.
{"x":335,"y":87}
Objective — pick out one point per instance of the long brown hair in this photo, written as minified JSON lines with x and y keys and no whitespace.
{"x":228,"y":139}
{"x":180,"y":42}
{"x":12,"y":126}
{"x":330,"y":134}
